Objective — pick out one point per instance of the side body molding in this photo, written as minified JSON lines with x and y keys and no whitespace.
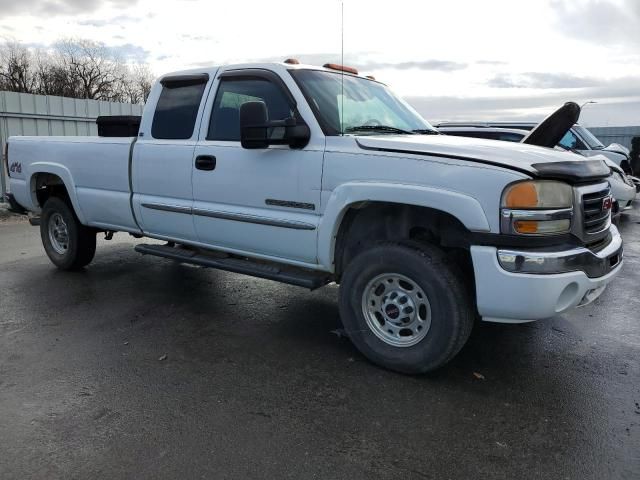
{"x":465,"y":208}
{"x":62,"y":172}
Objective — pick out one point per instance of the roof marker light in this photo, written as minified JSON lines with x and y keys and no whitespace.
{"x":341,"y":68}
{"x":292,"y":61}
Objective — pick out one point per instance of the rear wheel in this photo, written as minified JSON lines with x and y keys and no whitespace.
{"x":68,"y":244}
{"x":406,"y":307}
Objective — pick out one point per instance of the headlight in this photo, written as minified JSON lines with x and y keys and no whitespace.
{"x":621,"y":177}
{"x":532,"y":207}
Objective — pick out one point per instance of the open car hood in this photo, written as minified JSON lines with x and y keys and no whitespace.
{"x":551,"y":130}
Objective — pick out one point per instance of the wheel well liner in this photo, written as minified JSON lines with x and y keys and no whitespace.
{"x":46,"y":185}
{"x":367,"y":223}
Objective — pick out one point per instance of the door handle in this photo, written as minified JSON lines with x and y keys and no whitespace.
{"x":205,"y":162}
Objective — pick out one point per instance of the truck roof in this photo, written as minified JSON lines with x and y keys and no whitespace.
{"x":276,"y":66}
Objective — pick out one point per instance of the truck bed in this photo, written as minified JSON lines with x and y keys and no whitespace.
{"x":98,"y":166}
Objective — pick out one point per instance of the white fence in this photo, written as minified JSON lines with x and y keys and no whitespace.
{"x":25,"y":114}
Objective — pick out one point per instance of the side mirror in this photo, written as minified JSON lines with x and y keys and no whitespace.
{"x":297,"y":136}
{"x":253,"y":125}
{"x":256,"y":131}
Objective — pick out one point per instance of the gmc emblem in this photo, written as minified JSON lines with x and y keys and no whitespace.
{"x":607,"y":203}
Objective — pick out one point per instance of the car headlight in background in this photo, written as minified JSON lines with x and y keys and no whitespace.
{"x":622,"y":177}
{"x":537,"y":207}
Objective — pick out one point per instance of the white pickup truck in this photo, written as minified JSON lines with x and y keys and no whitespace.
{"x":310,"y":175}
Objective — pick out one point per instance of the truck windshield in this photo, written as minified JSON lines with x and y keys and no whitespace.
{"x":589,"y":137}
{"x":359,"y":106}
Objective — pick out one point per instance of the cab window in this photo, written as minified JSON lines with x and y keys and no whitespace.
{"x":224,"y":123}
{"x":177,"y":108}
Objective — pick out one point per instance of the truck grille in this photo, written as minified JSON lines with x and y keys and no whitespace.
{"x":595,"y":218}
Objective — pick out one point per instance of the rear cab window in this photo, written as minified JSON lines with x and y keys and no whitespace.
{"x":177,"y":108}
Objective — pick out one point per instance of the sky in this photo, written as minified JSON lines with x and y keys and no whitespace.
{"x":451,"y":60}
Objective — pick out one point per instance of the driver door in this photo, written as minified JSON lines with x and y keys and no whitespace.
{"x":260,"y":202}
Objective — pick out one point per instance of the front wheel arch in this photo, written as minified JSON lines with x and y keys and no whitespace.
{"x":367,"y":224}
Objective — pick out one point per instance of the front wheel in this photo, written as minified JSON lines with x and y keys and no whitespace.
{"x":406,"y":307}
{"x":68,"y":244}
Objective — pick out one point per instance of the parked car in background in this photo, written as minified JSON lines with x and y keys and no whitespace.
{"x":577,"y":138}
{"x":623,"y":187}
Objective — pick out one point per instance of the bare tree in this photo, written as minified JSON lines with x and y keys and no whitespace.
{"x":17,"y":68}
{"x":73,"y":68}
{"x":53,"y":79}
{"x":96,"y":72}
{"x":137,"y":84}
{"x":143,"y":79}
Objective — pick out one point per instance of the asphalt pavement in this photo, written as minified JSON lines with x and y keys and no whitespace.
{"x":138,"y":367}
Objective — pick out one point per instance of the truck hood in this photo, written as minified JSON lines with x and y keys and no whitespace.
{"x":534,"y":161}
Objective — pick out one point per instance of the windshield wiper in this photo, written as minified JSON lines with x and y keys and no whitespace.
{"x":377,"y":128}
{"x":426,"y":131}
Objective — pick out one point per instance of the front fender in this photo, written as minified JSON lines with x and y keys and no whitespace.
{"x":65,"y":175}
{"x":465,"y":208}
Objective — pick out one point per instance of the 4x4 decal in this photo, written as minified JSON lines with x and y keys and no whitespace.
{"x":16,"y":167}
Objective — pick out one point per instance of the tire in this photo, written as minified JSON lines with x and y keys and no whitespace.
{"x":72,"y":245}
{"x":418,"y":273}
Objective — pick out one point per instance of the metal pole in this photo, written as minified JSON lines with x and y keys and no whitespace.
{"x":3,"y":184}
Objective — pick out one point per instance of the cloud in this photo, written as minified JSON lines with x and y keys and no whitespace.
{"x":491,"y":62}
{"x":357,"y":60}
{"x":130,"y":52}
{"x":434,"y":65}
{"x":600,"y":21}
{"x":542,"y":80}
{"x":308,"y":58}
{"x":198,"y":38}
{"x":103,"y":22}
{"x":618,"y":103}
{"x":57,"y":7}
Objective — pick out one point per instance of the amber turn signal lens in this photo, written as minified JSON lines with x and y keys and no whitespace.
{"x":526,"y":226}
{"x":542,"y":227}
{"x":522,"y":195}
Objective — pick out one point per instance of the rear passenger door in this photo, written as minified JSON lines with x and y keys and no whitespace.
{"x":262,"y":202}
{"x":163,"y":155}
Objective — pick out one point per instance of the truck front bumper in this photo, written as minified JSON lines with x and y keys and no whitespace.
{"x":515,"y":286}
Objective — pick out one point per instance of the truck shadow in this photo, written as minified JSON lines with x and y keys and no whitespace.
{"x":123,"y":291}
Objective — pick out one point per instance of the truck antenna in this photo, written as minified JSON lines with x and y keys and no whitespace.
{"x":342,"y":70}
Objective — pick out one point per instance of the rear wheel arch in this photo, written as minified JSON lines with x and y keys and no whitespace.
{"x":45,"y":185}
{"x":49,"y":182}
